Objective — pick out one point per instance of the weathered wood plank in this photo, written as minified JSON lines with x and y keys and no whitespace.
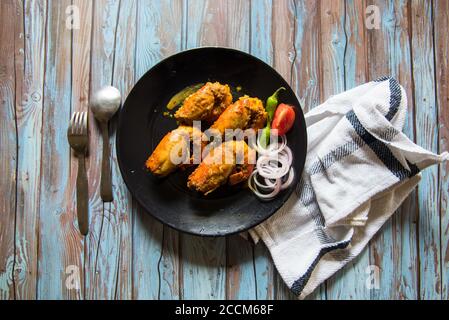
{"x":283,"y":37}
{"x":393,"y":250}
{"x":427,"y":137}
{"x":29,"y":125}
{"x":307,"y":69}
{"x":441,"y":18}
{"x":332,"y":51}
{"x":155,"y":276}
{"x":204,"y":259}
{"x":81,"y":46}
{"x":60,"y":244}
{"x":9,"y":36}
{"x":261,"y":47}
{"x":102,"y":242}
{"x":348,"y":283}
{"x":333,"y":43}
{"x":119,"y":226}
{"x":240,"y":276}
{"x":306,"y":72}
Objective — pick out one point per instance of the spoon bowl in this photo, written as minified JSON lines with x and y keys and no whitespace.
{"x":104,"y":104}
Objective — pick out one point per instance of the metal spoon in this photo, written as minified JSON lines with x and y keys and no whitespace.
{"x":104,"y":104}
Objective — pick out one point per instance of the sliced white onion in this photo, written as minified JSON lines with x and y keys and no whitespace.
{"x":272,"y":148}
{"x":267,"y":185}
{"x":274,"y":166}
{"x":268,"y":167}
{"x":288,"y":182}
{"x":263,"y":196}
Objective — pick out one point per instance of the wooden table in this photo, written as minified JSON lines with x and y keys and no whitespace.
{"x":47,"y":71}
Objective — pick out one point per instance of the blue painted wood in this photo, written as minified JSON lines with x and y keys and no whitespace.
{"x":155,"y":251}
{"x":283,"y":36}
{"x":261,"y":47}
{"x":169,"y":268}
{"x":349,"y":282}
{"x":333,"y":45}
{"x":9,"y":40}
{"x":81,"y":46}
{"x":306,"y":73}
{"x":203,"y":260}
{"x":29,"y":125}
{"x":120,"y":210}
{"x":398,"y":267}
{"x":240,"y":272}
{"x":427,"y":137}
{"x":60,"y":244}
{"x":103,"y":242}
{"x":241,"y":280}
{"x":441,"y":18}
{"x":123,"y":256}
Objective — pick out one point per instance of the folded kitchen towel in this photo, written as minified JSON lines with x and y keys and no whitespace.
{"x":359,"y":169}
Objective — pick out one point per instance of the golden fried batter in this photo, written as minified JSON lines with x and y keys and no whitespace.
{"x":231,"y":162}
{"x":243,"y":114}
{"x":206,"y":104}
{"x":160,"y":162}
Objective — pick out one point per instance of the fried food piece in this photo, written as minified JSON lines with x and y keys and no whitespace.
{"x":243,"y":114}
{"x":206,"y":104}
{"x":231,"y":162}
{"x":171,"y":153}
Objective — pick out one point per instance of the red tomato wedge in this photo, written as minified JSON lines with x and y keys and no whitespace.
{"x":283,"y":119}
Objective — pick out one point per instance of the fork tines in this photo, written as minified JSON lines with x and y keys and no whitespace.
{"x":78,"y":123}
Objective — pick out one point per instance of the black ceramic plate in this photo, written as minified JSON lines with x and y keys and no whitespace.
{"x":142,"y":124}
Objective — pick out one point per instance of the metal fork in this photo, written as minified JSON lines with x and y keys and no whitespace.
{"x":77,"y":135}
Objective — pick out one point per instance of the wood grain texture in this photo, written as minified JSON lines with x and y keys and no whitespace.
{"x":47,"y":71}
{"x":102,"y":242}
{"x":171,"y":42}
{"x":261,"y":46}
{"x":224,"y":23}
{"x":306,"y":73}
{"x":332,"y":54}
{"x":441,"y":18}
{"x":394,"y":248}
{"x":240,"y":272}
{"x":9,"y":35}
{"x":118,"y":213}
{"x":427,"y":137}
{"x":58,"y":222}
{"x":29,"y":111}
{"x":283,"y":37}
{"x":349,"y":282}
{"x":156,"y":248}
{"x":81,"y":47}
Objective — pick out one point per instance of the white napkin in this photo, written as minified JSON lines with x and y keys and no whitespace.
{"x":359,"y":169}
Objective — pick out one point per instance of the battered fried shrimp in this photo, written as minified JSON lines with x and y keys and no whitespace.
{"x":206,"y":104}
{"x":171,"y":153}
{"x":243,"y":114}
{"x":231,"y":162}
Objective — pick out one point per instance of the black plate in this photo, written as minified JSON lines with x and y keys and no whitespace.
{"x":142,"y":124}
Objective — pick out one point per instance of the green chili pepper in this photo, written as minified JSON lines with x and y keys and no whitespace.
{"x":270,"y":107}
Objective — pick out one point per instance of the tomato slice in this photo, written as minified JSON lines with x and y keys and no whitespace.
{"x":283,"y":119}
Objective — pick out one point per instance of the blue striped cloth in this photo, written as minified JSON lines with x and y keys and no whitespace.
{"x":359,"y":169}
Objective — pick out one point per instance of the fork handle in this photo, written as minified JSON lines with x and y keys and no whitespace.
{"x":105,"y":184}
{"x":82,"y":199}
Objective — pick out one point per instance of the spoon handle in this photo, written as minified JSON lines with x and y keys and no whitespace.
{"x":106,"y":184}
